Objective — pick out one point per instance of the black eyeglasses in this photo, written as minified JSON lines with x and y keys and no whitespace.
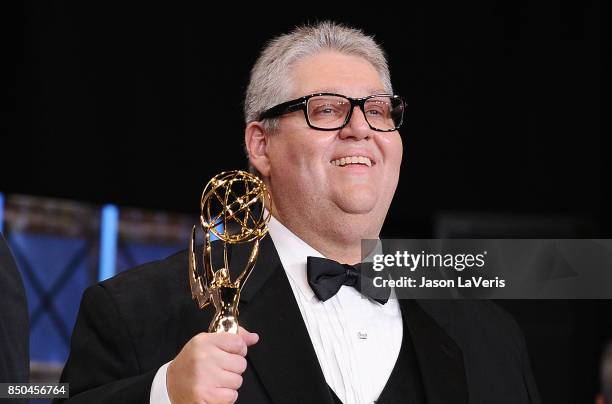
{"x":329,"y":111}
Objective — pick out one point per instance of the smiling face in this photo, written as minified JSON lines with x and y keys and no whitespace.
{"x":339,"y":181}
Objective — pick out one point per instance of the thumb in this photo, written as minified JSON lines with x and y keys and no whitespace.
{"x":250,"y":338}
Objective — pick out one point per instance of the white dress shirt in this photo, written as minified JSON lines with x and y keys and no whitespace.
{"x":356,"y":340}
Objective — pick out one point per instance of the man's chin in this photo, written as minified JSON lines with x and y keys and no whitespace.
{"x":357,"y":205}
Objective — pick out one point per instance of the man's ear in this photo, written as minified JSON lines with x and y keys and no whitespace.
{"x":256,"y":144}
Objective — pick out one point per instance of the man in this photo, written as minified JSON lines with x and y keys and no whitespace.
{"x":322,"y":132}
{"x":605,"y":397}
{"x":14,"y":323}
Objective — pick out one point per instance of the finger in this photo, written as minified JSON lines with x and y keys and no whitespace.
{"x":230,"y":343}
{"x":233,"y":363}
{"x":223,"y":395}
{"x":250,"y":338}
{"x":229,"y":380}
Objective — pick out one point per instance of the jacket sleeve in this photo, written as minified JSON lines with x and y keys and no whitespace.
{"x":103,"y":366}
{"x":14,"y":323}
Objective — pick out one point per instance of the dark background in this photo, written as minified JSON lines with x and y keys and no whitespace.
{"x":139,"y":105}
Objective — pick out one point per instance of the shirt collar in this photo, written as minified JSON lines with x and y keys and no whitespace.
{"x":293,"y":252}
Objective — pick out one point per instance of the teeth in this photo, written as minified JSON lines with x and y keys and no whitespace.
{"x":352,"y":160}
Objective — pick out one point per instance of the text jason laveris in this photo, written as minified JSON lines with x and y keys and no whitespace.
{"x":423,"y":282}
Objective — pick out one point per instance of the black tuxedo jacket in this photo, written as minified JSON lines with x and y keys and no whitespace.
{"x":14,"y":322}
{"x":130,"y":325}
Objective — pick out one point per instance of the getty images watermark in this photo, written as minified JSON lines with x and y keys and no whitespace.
{"x":489,"y":268}
{"x":436,"y":261}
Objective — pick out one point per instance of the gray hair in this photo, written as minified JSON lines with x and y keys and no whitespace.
{"x":270,"y":82}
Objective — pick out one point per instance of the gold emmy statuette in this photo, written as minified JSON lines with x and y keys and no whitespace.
{"x":232,"y":208}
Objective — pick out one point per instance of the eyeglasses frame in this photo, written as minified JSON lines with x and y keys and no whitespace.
{"x":302,"y":104}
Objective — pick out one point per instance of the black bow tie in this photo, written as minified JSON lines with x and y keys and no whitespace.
{"x":326,"y":277}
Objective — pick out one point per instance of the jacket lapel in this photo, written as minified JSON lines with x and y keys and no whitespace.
{"x":284,"y":358}
{"x":439,"y":358}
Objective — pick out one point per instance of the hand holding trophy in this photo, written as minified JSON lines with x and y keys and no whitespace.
{"x":231,"y":208}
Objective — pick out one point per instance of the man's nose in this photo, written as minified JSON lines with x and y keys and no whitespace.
{"x":357,"y":127}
